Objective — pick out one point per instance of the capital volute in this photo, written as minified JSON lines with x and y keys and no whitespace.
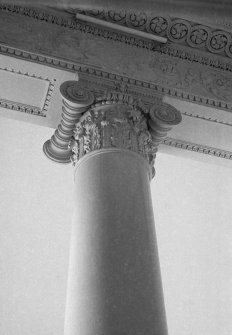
{"x":162,"y":117}
{"x":75,"y":95}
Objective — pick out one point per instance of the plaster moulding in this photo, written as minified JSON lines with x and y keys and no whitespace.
{"x":197,"y":148}
{"x":176,"y":30}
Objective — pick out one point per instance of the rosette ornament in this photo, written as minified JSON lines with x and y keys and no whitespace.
{"x":76,"y":100}
{"x":162,"y":118}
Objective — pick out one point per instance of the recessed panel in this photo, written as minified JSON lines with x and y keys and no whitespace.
{"x":23,"y":88}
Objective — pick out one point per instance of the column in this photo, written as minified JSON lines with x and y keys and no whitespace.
{"x":114,"y":282}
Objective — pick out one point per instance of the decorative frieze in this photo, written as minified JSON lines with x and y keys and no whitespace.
{"x":178,"y":31}
{"x":175,"y":29}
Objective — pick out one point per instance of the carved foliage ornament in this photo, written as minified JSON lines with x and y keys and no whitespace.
{"x":113,"y":126}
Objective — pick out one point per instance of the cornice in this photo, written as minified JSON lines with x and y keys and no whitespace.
{"x":197,"y":148}
{"x":179,"y":32}
{"x":25,"y":108}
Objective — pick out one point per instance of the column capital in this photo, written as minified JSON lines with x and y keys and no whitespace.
{"x":112,"y":118}
{"x":112,"y":125}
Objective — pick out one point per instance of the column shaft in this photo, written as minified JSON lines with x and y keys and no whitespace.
{"x":114,"y":282}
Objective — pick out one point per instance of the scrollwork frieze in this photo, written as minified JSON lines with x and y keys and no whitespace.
{"x":178,"y":31}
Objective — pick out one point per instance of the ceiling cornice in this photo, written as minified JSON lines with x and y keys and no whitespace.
{"x":177,"y":30}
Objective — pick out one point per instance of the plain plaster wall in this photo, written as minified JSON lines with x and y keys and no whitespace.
{"x":192,"y":205}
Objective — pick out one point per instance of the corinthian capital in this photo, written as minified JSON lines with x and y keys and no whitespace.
{"x":113,"y":119}
{"x":112,"y":125}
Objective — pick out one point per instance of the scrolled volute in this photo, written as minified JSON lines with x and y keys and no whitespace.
{"x":162,"y":118}
{"x":165,"y":114}
{"x":75,"y":95}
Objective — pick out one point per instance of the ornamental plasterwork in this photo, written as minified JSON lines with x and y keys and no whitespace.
{"x":175,"y":29}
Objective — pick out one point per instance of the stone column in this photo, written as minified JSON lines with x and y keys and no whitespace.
{"x":114,"y":281}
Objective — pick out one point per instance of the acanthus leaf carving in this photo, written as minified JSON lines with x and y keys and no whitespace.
{"x":115,"y":125}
